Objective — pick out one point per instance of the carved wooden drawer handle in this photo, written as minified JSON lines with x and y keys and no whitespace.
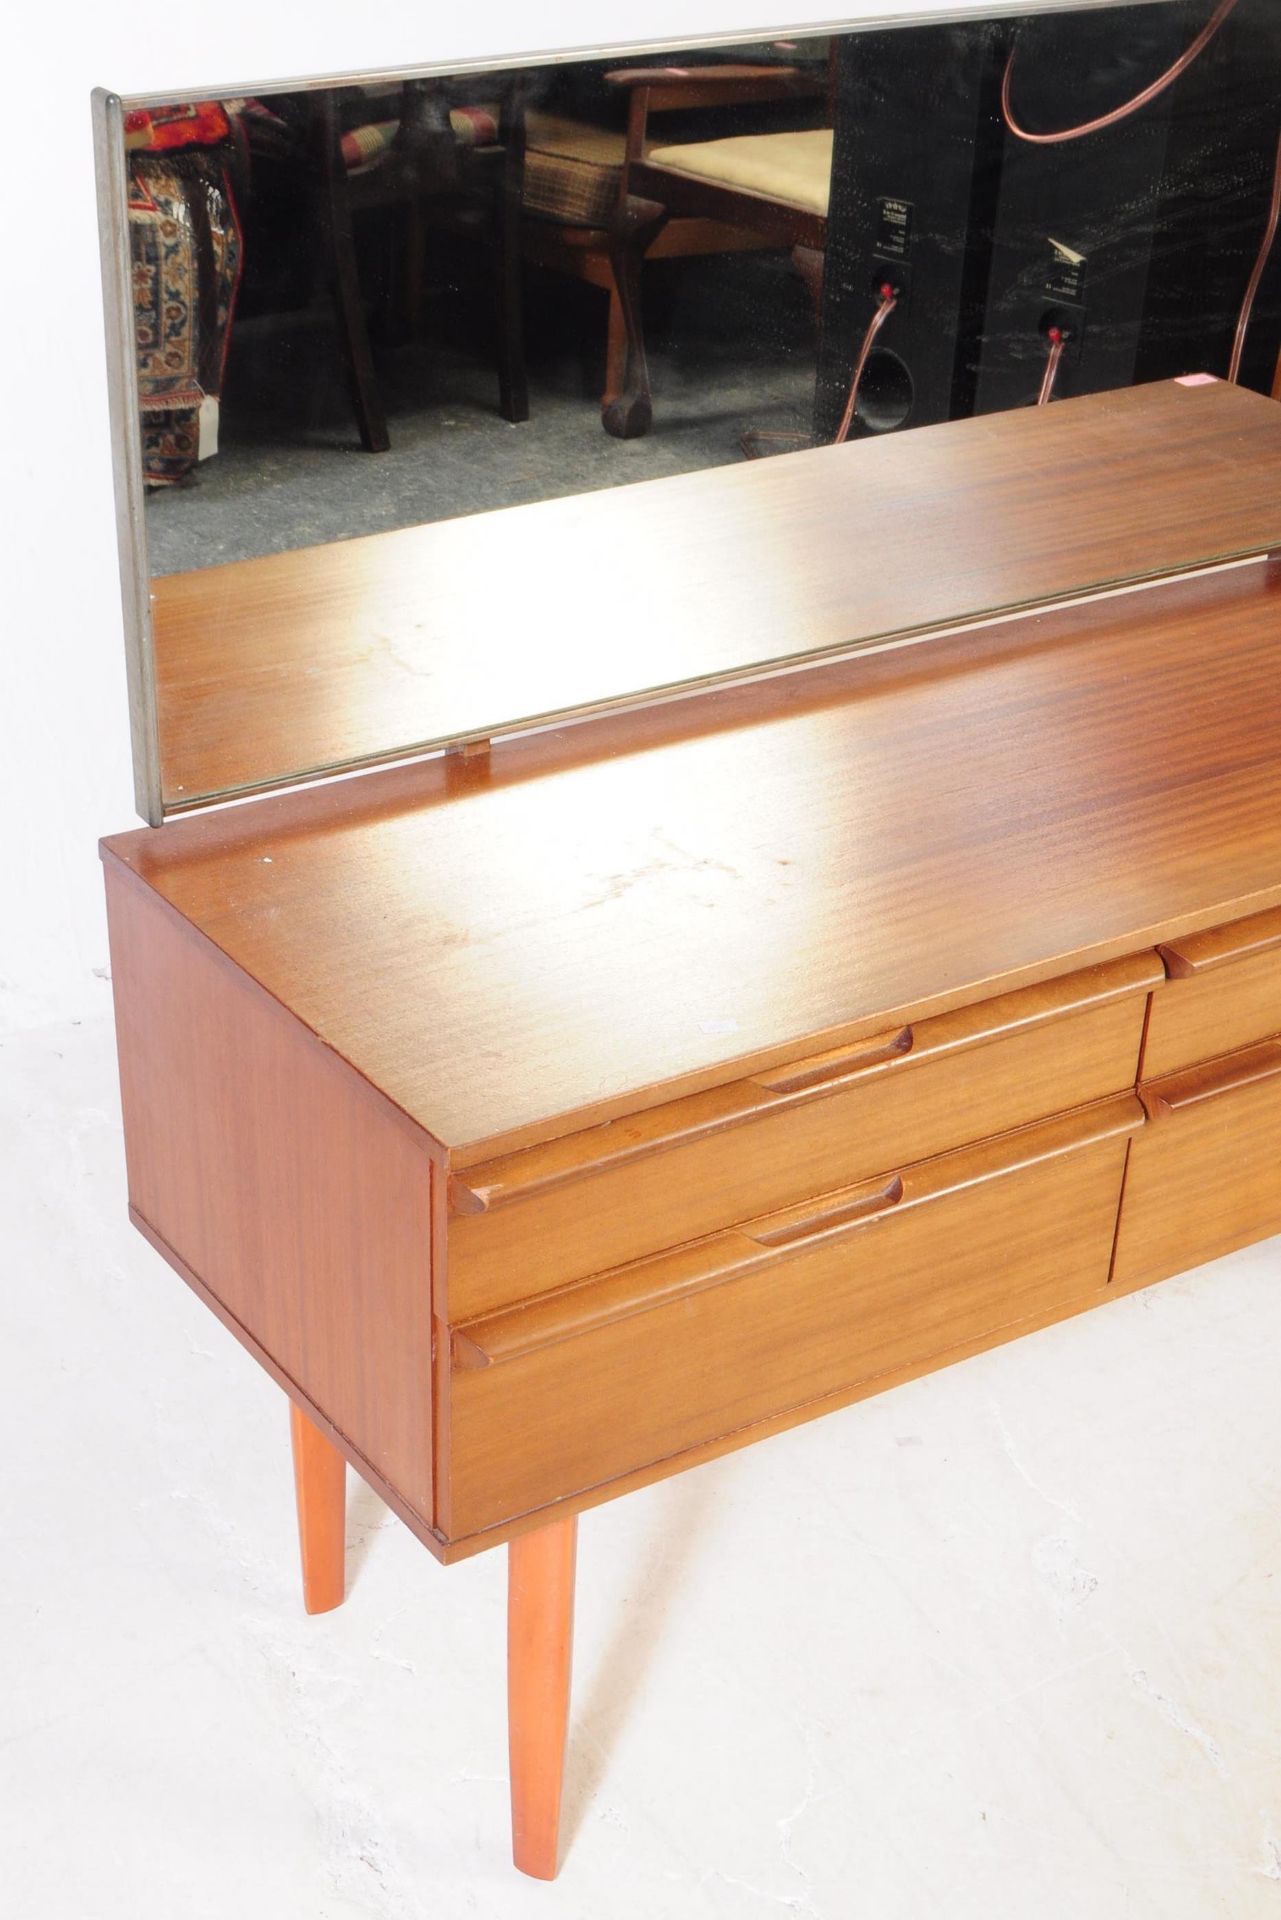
{"x":842,"y":1063}
{"x":800,"y":1224}
{"x":1162,"y":1098}
{"x":536,"y":1170}
{"x":1199,"y":953}
{"x":591,"y":1305}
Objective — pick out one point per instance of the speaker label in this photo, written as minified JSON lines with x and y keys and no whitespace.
{"x":1065,"y":274}
{"x":894,"y":229}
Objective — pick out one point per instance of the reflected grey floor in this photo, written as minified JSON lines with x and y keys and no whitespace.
{"x":282,"y":481}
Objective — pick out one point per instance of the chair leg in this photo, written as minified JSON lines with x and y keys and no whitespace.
{"x":636,"y":225}
{"x":540,"y":1631}
{"x":320,"y":1483}
{"x":349,"y":308}
{"x":615,"y":351}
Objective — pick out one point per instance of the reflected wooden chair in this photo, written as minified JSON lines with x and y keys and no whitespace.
{"x":773,"y":185}
{"x":456,"y":166}
{"x":580,"y":217}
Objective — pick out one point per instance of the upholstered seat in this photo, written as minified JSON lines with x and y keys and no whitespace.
{"x":793,"y":169}
{"x":775,"y":186}
{"x":572,"y":169}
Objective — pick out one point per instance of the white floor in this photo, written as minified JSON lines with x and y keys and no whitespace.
{"x":1003,"y":1645}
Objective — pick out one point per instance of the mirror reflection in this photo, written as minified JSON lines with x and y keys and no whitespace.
{"x":368,"y":307}
{"x":461,"y":278}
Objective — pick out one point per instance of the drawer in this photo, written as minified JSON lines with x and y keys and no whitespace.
{"x":636,"y":1366}
{"x":1205,"y":1175}
{"x":1223,"y":993}
{"x":580,"y":1205}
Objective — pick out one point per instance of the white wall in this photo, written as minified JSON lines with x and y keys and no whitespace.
{"x":64,"y":752}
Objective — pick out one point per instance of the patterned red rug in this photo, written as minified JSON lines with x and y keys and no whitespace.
{"x":186,"y":251}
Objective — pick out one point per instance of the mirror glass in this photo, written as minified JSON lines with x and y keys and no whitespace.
{"x":368,"y":334}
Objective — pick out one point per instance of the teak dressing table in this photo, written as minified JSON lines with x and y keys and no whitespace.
{"x":551,"y":1119}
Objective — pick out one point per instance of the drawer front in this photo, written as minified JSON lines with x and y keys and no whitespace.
{"x":559,"y":1213}
{"x":1223,"y":993}
{"x":1205,"y":1175}
{"x":634,"y":1367}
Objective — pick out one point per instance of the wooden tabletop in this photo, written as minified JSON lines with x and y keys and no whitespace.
{"x":273,"y":668}
{"x":594,"y":919}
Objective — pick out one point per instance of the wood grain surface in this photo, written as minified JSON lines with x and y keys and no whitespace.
{"x":1212,"y":1004}
{"x":858,"y":915}
{"x":297,"y":1197}
{"x":587,"y":923}
{"x":900,"y":1107}
{"x":1205,"y":1173}
{"x":731,"y":1332}
{"x":273,"y":668}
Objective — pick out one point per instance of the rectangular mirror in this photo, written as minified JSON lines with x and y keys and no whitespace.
{"x":419,"y":382}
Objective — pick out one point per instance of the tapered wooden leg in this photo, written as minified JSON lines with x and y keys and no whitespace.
{"x":358,"y":359}
{"x":634,"y":228}
{"x":320,"y":1482}
{"x":540,"y":1634}
{"x":332,"y":220}
{"x":615,"y":351}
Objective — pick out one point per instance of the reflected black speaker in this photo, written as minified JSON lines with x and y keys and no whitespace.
{"x":1077,"y":220}
{"x":1221,"y":157}
{"x":1136,"y":239}
{"x":916,"y":169}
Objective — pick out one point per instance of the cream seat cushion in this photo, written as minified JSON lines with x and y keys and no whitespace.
{"x":794,"y":168}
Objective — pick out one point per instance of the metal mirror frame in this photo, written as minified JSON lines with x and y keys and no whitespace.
{"x":109,"y":110}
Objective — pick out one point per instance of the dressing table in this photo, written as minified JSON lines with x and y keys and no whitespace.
{"x":555,"y":1114}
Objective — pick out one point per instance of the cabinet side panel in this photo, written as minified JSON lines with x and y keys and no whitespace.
{"x":281,"y":1181}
